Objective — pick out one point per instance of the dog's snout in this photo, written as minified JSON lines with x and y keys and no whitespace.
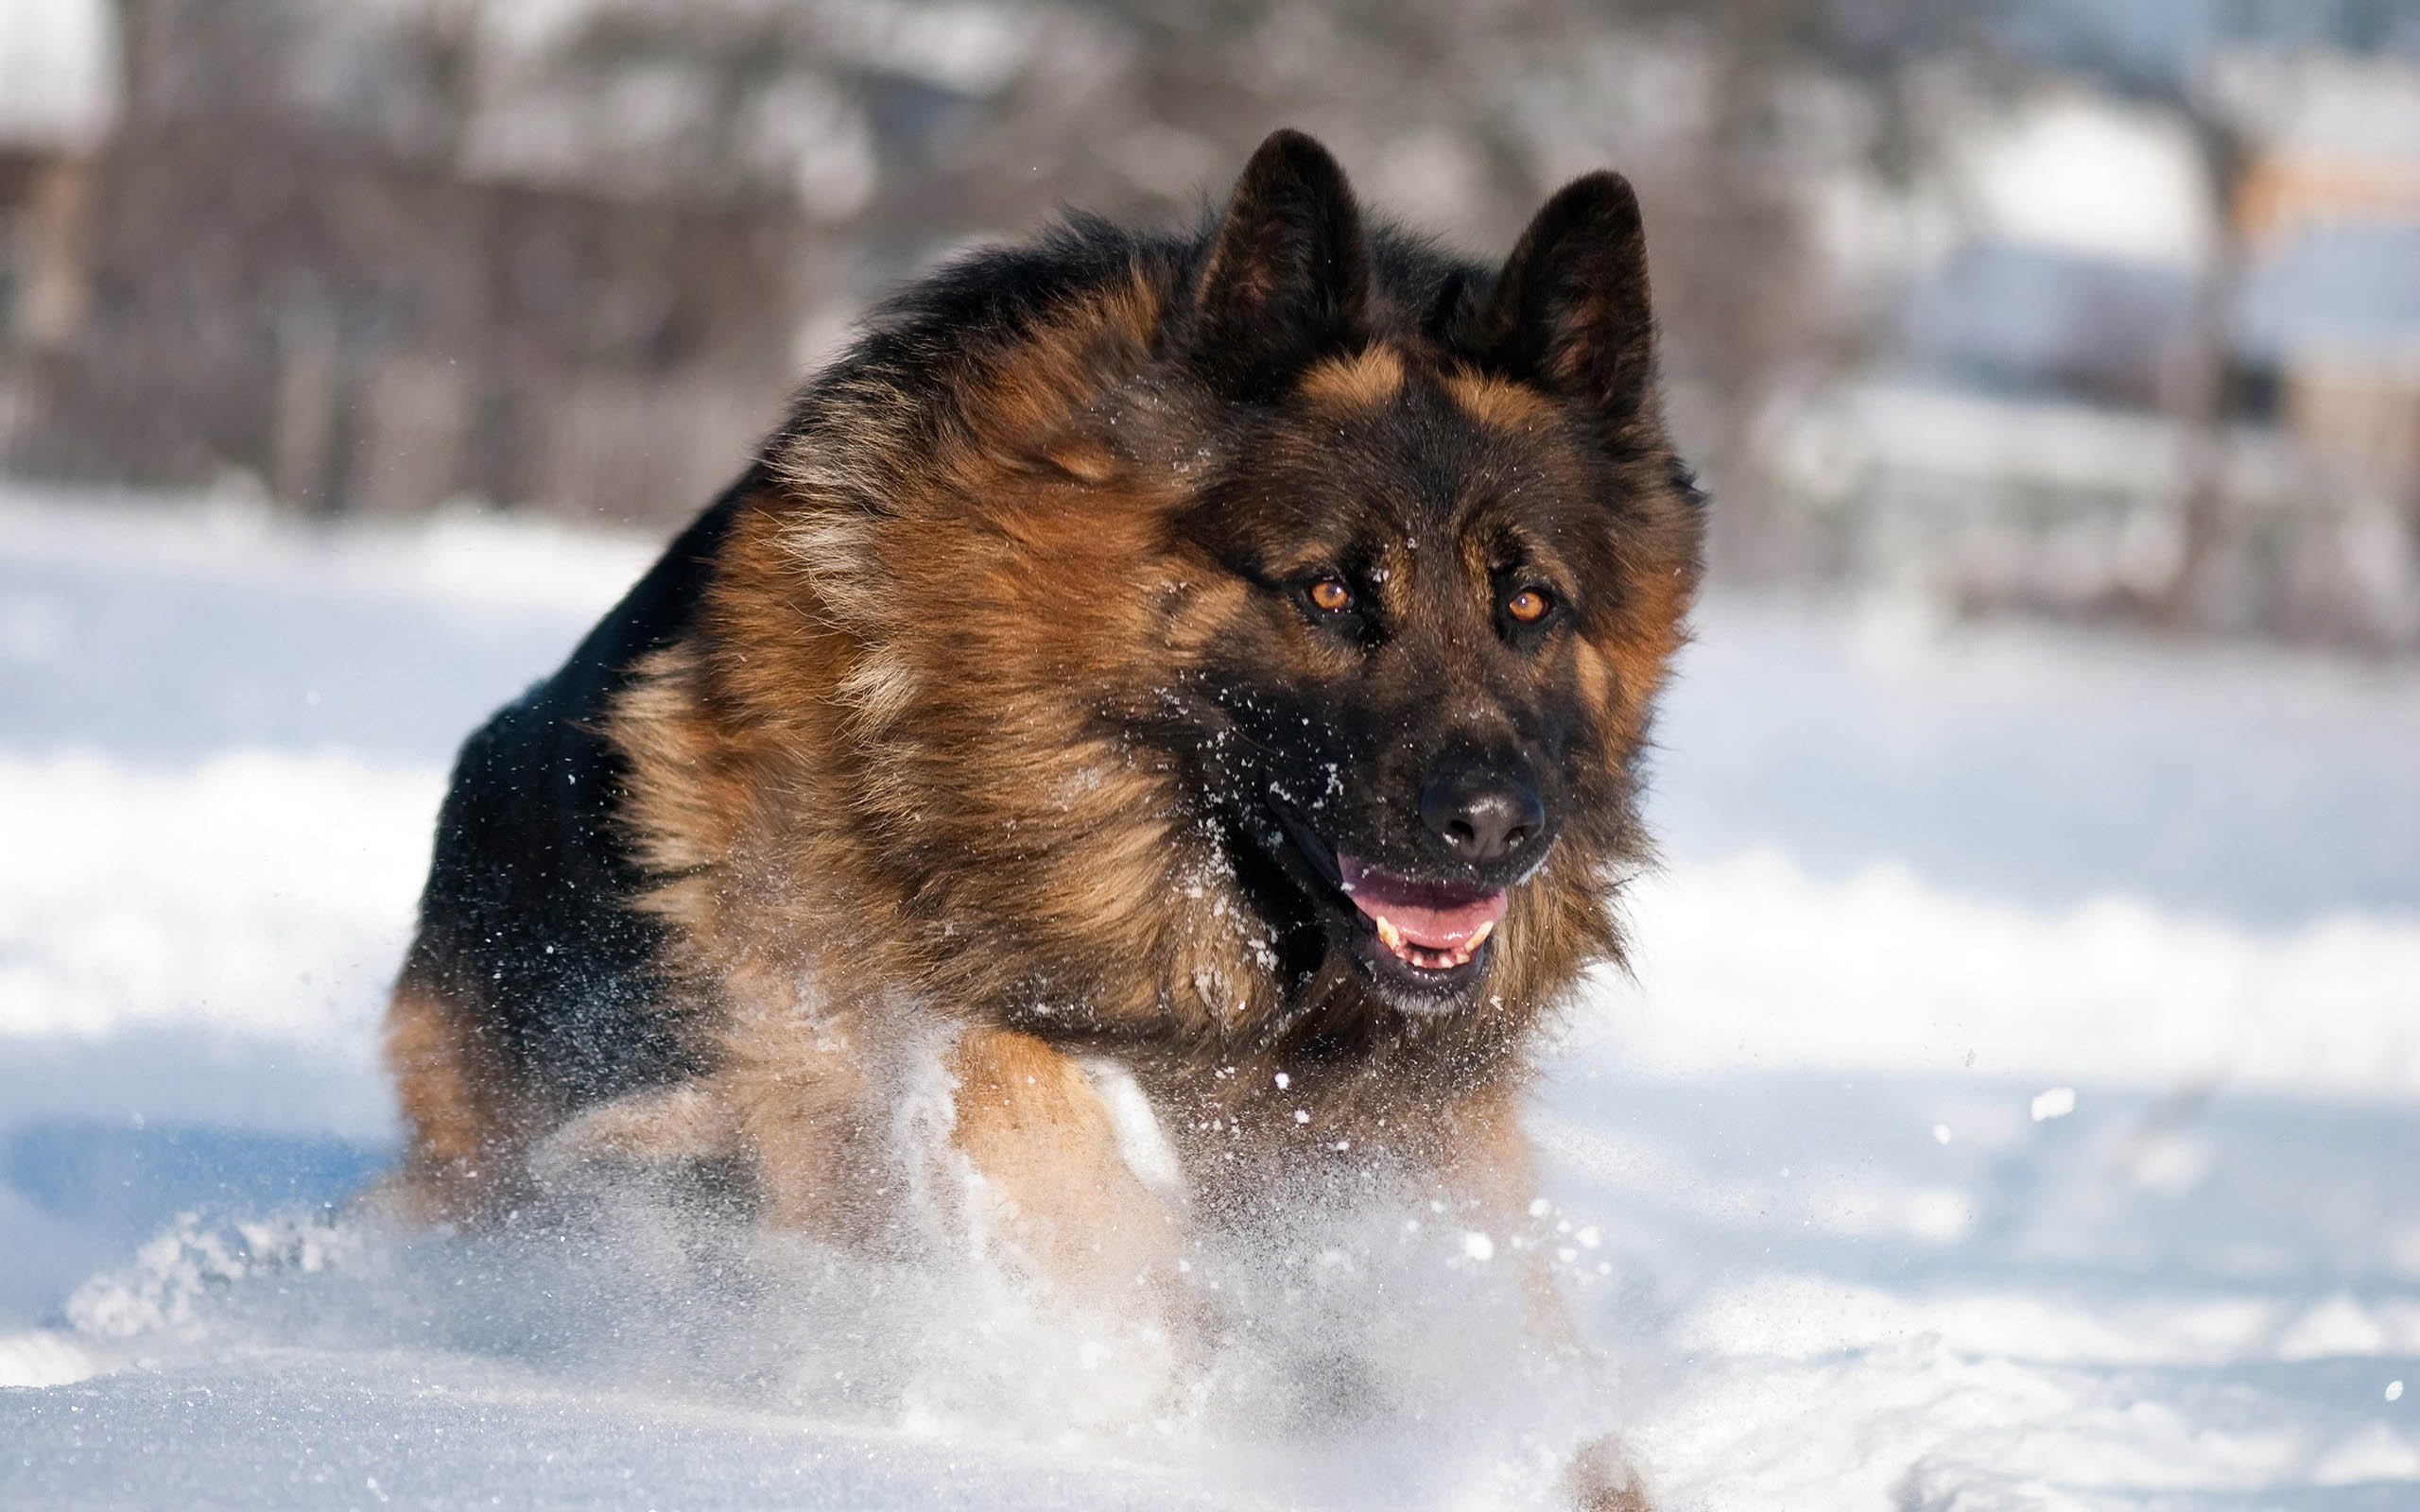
{"x":1481,"y":815}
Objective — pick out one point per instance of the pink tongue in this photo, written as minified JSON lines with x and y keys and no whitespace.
{"x":1431,"y":917}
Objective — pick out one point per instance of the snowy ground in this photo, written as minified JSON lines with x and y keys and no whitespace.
{"x":2017,"y":1105}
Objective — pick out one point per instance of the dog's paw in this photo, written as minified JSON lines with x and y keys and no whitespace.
{"x":1600,"y":1479}
{"x":664,"y":1126}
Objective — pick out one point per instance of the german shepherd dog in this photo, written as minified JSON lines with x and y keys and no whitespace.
{"x":1189,"y":690}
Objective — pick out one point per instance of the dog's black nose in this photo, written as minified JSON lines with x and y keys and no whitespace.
{"x":1482,"y":815}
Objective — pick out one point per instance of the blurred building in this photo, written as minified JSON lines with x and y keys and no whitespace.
{"x":2331,"y":213}
{"x":2085,"y":224}
{"x":58,"y":101}
{"x":2163,"y":360}
{"x":362,"y":253}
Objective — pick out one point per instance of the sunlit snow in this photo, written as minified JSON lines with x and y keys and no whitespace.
{"x":2012,"y":1106}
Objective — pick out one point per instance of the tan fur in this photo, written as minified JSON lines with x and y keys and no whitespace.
{"x":1031,"y":1123}
{"x":1487,"y":1163}
{"x":467,"y":1128}
{"x":1502,"y":407}
{"x":798,"y":1087}
{"x":1365,"y":381}
{"x":1600,"y":1479}
{"x":661,"y":1126}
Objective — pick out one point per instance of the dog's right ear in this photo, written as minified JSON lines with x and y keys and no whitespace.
{"x":1570,"y":310}
{"x":1287,"y":280}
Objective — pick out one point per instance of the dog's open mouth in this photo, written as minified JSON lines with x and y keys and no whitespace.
{"x":1424,"y":941}
{"x":1430,"y":926}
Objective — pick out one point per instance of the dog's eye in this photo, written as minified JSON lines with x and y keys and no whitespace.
{"x":1331,"y":594}
{"x":1529,"y":606}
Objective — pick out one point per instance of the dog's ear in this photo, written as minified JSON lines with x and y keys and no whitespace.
{"x":1287,"y":280}
{"x":1570,"y":309}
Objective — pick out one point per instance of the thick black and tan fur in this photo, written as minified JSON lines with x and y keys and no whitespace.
{"x":987,"y":713}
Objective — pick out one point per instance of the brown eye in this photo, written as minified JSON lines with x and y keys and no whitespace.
{"x":1529,"y":606}
{"x":1332,"y":595}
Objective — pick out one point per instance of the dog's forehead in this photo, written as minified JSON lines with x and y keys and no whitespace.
{"x":1393,"y":461}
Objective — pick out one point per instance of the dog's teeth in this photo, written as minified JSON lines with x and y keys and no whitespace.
{"x":1426,"y":959}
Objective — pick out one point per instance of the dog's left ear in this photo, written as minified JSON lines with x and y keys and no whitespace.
{"x":1287,"y":280}
{"x":1570,"y":309}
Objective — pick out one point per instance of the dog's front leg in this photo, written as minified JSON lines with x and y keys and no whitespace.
{"x":1056,"y":1183}
{"x":1492,"y":1176}
{"x":1491,"y":1172}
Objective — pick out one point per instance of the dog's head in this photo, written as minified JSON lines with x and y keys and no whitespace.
{"x":1458,"y":548}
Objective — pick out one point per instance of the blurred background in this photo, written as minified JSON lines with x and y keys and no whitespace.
{"x":2107,"y":310}
{"x":2013,"y":1101}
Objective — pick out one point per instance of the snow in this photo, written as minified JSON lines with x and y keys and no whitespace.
{"x":58,"y":74}
{"x":1926,"y":888}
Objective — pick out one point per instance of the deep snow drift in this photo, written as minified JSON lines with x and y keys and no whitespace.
{"x":2015,"y":1106}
